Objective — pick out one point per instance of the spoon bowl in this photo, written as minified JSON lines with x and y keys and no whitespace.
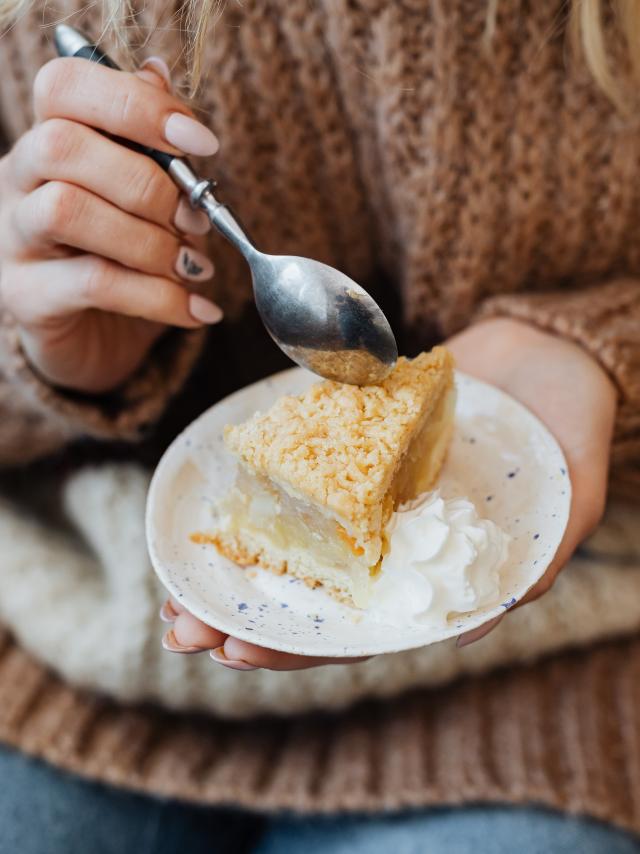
{"x":322,"y":319}
{"x":317,"y":315}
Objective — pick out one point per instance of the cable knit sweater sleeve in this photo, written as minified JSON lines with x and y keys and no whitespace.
{"x":37,"y":419}
{"x":605,"y":319}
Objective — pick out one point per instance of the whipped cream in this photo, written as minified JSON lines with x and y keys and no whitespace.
{"x":443,"y":559}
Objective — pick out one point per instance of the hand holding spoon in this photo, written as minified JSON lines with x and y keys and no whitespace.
{"x":319,"y":317}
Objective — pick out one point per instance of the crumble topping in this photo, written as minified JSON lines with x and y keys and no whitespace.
{"x":339,"y":445}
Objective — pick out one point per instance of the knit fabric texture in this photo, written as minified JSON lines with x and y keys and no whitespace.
{"x":388,"y":137}
{"x":562,"y":733}
{"x":54,"y":581}
{"x":385,"y":139}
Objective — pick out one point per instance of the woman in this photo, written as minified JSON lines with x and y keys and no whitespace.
{"x":449,"y":157}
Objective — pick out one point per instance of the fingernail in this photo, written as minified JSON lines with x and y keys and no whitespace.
{"x":193,"y":265}
{"x":160,"y":67}
{"x":204,"y":310}
{"x":190,"y":221}
{"x":168,"y":613}
{"x":171,"y":644}
{"x":475,"y":634}
{"x":220,"y":658}
{"x":190,"y":136}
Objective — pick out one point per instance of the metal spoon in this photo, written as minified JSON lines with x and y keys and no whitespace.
{"x":318,"y":316}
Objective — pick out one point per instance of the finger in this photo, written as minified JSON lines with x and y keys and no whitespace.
{"x":587,"y":507}
{"x":178,"y":607}
{"x":171,"y":609}
{"x":544,"y":584}
{"x":240,"y":655}
{"x":64,"y":214}
{"x":38,"y":292}
{"x":61,"y":150}
{"x":168,"y":612}
{"x":190,"y":632}
{"x":121,"y":104}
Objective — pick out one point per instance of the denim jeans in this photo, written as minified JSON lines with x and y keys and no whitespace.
{"x":44,"y":811}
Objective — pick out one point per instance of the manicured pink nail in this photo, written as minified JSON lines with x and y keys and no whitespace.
{"x":476,"y":634}
{"x":171,"y":644}
{"x":168,"y":613}
{"x":193,"y":265}
{"x":204,"y":310}
{"x":190,"y":136}
{"x":190,"y":221}
{"x":160,"y":67}
{"x":220,"y":658}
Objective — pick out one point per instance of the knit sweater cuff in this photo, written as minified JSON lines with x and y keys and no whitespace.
{"x":38,"y":419}
{"x":605,"y":320}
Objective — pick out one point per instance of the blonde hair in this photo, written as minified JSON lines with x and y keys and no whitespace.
{"x":587,"y":34}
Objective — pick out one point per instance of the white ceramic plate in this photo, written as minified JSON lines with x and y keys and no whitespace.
{"x":501,"y":457}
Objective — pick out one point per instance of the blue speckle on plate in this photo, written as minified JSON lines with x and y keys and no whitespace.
{"x":242,"y":606}
{"x":536,"y":536}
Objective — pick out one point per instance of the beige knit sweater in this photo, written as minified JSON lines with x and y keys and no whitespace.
{"x":381,"y":138}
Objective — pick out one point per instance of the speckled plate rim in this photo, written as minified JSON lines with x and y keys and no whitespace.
{"x":387,"y":644}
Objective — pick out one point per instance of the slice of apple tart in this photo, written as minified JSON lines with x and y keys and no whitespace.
{"x":321,"y":473}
